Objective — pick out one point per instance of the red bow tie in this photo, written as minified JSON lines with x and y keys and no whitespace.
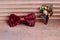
{"x":28,"y":20}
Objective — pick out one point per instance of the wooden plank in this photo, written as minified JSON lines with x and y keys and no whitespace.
{"x":24,"y":10}
{"x":24,"y":14}
{"x":32,"y":2}
{"x":24,"y":6}
{"x":6,"y":18}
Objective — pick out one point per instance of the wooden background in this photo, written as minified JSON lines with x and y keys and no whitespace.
{"x":24,"y":7}
{"x":40,"y":31}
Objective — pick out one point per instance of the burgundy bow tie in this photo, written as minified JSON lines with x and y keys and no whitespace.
{"x":28,"y":20}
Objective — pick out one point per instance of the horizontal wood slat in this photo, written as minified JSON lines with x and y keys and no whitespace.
{"x":26,"y":10}
{"x":24,"y":14}
{"x":24,"y":6}
{"x":31,"y":2}
{"x":6,"y":18}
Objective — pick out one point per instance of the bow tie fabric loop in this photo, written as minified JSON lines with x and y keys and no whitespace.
{"x":31,"y":19}
{"x":28,"y":20}
{"x":13,"y":20}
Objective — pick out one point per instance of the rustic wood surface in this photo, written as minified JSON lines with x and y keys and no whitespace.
{"x":24,"y":7}
{"x":40,"y":31}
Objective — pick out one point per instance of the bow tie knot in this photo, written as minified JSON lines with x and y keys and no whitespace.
{"x":22,"y":19}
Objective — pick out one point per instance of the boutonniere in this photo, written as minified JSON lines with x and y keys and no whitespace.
{"x":45,"y":11}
